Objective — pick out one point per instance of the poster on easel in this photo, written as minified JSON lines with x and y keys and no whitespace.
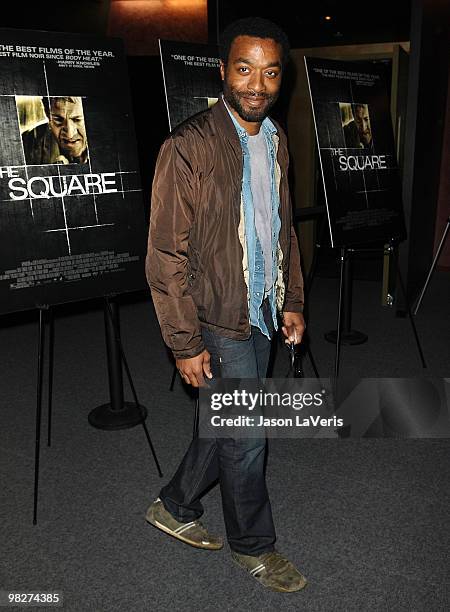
{"x":356,"y":151}
{"x":192,"y":80}
{"x":71,"y":217}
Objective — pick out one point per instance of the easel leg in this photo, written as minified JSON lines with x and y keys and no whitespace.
{"x":174,"y":375}
{"x":313,"y":363}
{"x":51,"y":344}
{"x":40,"y":381}
{"x":318,"y":239}
{"x":147,"y":435}
{"x":411,"y":318}
{"x":115,"y":325}
{"x":339,"y":317}
{"x":433,"y":265}
{"x":196,"y":410}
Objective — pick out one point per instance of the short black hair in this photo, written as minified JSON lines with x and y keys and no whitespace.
{"x":256,"y":27}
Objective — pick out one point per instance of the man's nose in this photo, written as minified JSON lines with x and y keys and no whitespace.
{"x":256,"y":82}
{"x":69,"y":128}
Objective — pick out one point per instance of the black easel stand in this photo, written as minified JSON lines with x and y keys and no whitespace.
{"x":433,"y":265}
{"x":51,"y":344}
{"x":119,"y":414}
{"x":339,"y":316}
{"x":347,"y":334}
{"x":196,"y":416}
{"x":115,"y":415}
{"x":196,"y":404}
{"x":411,"y":319}
{"x":313,"y":363}
{"x":342,"y":305}
{"x":174,"y":375}
{"x":40,"y":384}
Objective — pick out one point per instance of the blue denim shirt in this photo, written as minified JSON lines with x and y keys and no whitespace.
{"x":254,"y":250}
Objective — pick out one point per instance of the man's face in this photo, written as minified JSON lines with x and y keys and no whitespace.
{"x":252,"y":77}
{"x":362,"y":120}
{"x":67,"y":124}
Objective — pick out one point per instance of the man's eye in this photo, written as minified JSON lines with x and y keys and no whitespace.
{"x":271,"y":74}
{"x":242,"y":69}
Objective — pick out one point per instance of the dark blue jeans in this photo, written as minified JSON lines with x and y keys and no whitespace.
{"x":238,"y":464}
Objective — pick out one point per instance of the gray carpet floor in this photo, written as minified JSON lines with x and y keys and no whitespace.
{"x":366,"y":520}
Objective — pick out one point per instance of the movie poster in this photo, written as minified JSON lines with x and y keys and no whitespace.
{"x":191,"y":78}
{"x":71,"y":218}
{"x":356,"y":149}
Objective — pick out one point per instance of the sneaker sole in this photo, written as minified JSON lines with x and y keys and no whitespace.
{"x":180,"y":537}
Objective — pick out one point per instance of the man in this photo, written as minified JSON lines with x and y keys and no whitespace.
{"x":358,"y":133}
{"x":222,"y":258}
{"x":63,"y":139}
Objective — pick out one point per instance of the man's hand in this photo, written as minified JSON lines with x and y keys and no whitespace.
{"x":193,"y":368}
{"x":293,"y":327}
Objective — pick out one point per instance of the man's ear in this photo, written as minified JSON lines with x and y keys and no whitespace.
{"x":222,"y":70}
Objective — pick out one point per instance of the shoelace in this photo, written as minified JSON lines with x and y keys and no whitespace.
{"x":199,"y":524}
{"x":204,"y":532}
{"x":275,"y":560}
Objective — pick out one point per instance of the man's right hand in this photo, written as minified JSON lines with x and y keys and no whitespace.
{"x":193,"y":368}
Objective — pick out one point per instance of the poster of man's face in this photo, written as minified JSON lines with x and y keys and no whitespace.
{"x":356,"y":125}
{"x":53,"y":129}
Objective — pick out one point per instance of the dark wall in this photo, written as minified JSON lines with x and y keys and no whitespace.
{"x":150,"y":115}
{"x":427,"y":97}
{"x":351,"y":22}
{"x":80,"y":16}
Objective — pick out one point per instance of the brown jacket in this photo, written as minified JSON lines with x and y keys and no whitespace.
{"x":196,"y":261}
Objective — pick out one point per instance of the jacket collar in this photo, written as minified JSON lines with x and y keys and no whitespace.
{"x":230,"y":128}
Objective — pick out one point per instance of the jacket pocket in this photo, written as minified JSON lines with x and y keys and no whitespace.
{"x":193,"y":270}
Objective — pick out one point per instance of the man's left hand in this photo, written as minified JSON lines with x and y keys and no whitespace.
{"x":293,"y":327}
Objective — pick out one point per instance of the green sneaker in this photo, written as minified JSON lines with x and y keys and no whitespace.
{"x":193,"y":533}
{"x":273,"y":571}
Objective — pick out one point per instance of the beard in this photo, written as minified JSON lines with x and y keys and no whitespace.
{"x":236,"y":99}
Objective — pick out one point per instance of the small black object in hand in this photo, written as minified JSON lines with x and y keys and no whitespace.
{"x":295,"y":365}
